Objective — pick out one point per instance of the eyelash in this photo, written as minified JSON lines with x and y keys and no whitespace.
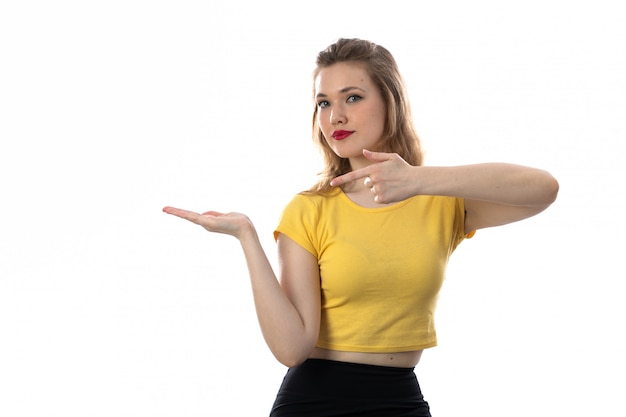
{"x":351,"y":99}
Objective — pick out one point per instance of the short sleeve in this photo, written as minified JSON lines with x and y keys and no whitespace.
{"x":459,"y":224}
{"x":298,"y":222}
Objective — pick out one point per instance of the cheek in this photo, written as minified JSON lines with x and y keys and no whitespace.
{"x":323,"y":124}
{"x":378,"y":119}
{"x":322,"y":129}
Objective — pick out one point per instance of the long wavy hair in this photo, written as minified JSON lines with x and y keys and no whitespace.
{"x":399,"y":133}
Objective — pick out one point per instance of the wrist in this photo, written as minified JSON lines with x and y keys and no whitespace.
{"x":419,"y":182}
{"x":247,"y":232}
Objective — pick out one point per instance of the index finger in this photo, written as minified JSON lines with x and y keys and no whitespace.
{"x":183,"y":214}
{"x":350,"y":176}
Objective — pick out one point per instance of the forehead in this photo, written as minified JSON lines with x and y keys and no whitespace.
{"x":338,"y":76}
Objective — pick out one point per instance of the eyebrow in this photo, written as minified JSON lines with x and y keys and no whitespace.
{"x":342,"y":91}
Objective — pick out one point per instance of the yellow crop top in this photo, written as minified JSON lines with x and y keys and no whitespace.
{"x":381,"y":268}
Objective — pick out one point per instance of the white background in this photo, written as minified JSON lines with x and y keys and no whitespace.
{"x":111,"y":110}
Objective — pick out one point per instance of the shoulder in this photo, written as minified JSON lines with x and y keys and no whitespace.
{"x":308,"y":199}
{"x":308,"y":208}
{"x":442,"y":210}
{"x":305,"y":205}
{"x":437,"y":203}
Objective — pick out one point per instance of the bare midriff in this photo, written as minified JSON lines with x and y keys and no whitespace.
{"x":396,"y":359}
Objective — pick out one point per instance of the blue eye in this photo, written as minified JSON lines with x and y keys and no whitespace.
{"x":353,"y":98}
{"x":322,"y":104}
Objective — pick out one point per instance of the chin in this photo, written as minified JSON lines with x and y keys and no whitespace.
{"x":348,"y":153}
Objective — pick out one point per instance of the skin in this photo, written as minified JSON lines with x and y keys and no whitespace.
{"x":288,"y":305}
{"x":342,"y":90}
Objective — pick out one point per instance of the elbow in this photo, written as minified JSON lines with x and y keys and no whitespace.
{"x":552,"y":189}
{"x":292,"y":355}
{"x":292,"y":360}
{"x":545,"y":189}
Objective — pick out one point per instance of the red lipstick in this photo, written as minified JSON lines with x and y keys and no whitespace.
{"x":341,"y":134}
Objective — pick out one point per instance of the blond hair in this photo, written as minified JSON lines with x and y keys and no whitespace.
{"x":399,"y":135}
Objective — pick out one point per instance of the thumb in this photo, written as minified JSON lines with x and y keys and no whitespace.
{"x":377,"y":156}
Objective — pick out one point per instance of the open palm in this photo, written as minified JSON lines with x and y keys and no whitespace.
{"x":228,"y":223}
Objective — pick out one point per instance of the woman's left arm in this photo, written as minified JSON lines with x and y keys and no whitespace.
{"x":494,"y":193}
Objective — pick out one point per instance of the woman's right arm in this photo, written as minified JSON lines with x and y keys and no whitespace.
{"x":288,"y":311}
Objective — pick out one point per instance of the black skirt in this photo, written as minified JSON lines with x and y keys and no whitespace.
{"x":324,"y":388}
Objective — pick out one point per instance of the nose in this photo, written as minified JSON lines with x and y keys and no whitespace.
{"x":337,"y":116}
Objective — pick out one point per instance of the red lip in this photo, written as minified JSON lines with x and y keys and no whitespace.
{"x":341,"y":134}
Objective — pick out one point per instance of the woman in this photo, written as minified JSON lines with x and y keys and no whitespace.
{"x":362,"y":254}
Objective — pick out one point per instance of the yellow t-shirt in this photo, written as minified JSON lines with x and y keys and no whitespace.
{"x":381,"y":269}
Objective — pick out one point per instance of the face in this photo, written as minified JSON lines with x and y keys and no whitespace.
{"x":350,"y":110}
